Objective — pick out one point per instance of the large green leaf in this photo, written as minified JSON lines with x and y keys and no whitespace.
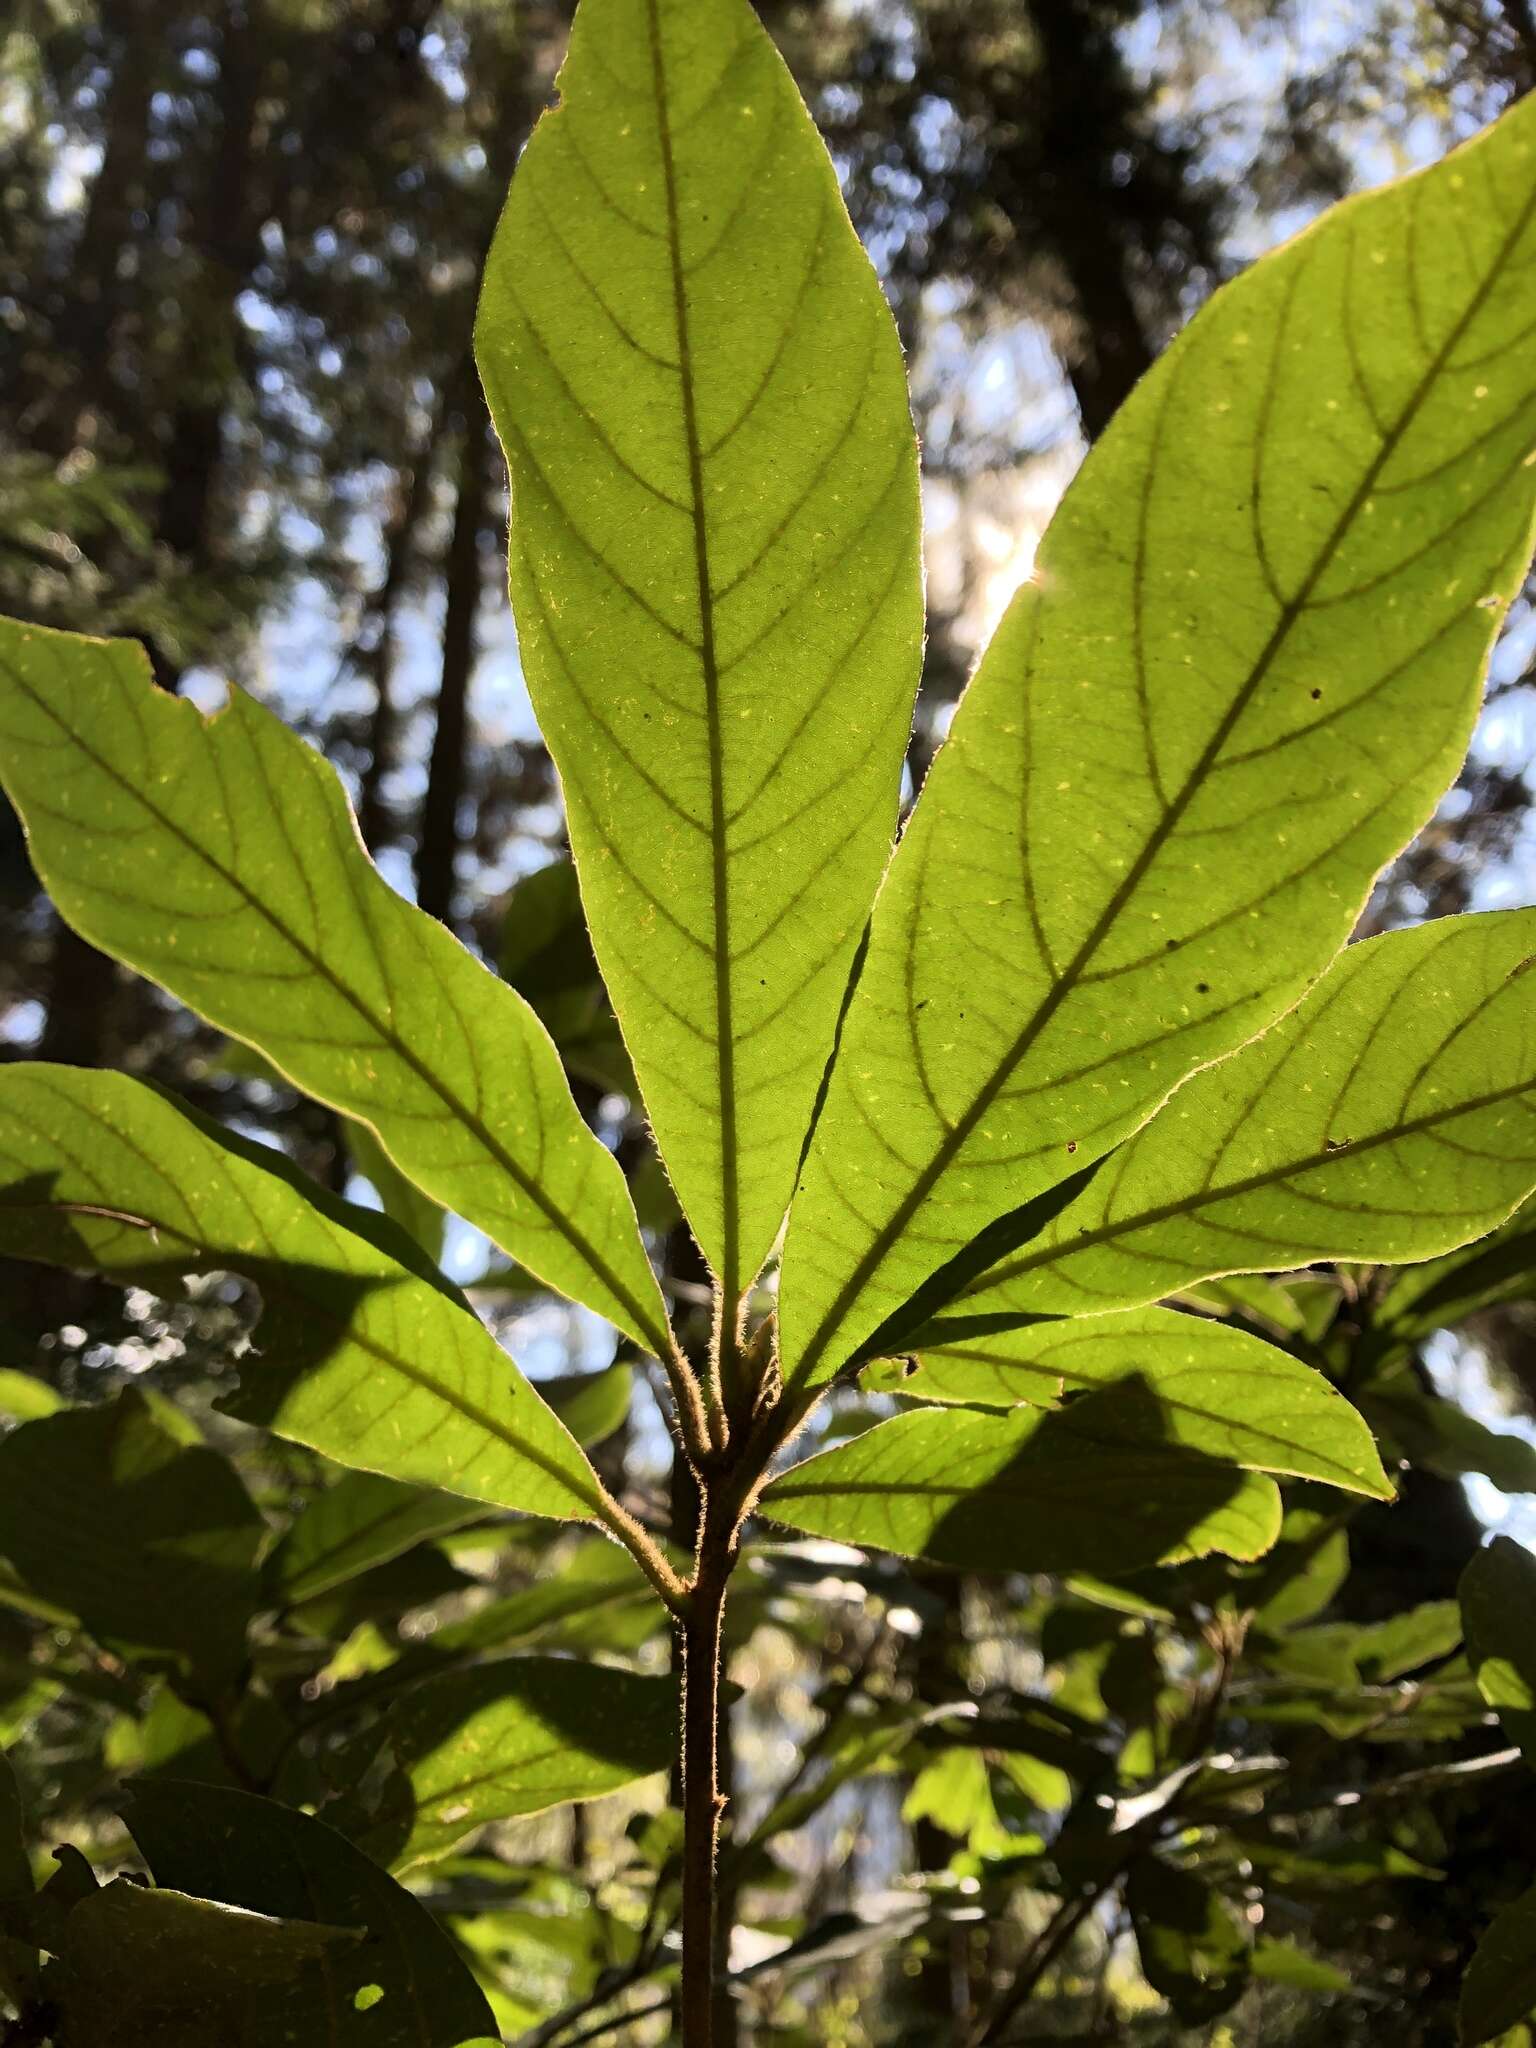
{"x":1498,"y":1607}
{"x":402,"y":1986}
{"x":218,"y":856}
{"x":1389,"y":1117}
{"x":715,"y":569}
{"x":1100,"y":1486}
{"x":360,"y":1352}
{"x":1220,"y":1391}
{"x":513,"y":1737}
{"x":1245,"y":669}
{"x":1499,"y":1989}
{"x":151,"y":1542}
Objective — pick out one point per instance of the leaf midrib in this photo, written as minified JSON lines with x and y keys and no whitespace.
{"x":1291,"y":612}
{"x":725,"y":1049}
{"x":384,"y":1032}
{"x":1186,"y":1205}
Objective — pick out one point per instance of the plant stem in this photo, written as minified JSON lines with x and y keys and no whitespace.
{"x":702,"y":1803}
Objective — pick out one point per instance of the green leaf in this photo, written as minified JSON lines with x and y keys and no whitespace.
{"x":1442,"y":1437}
{"x":1097,"y":1487}
{"x":714,"y":567}
{"x":546,"y":954}
{"x":1219,"y":1390}
{"x":402,"y":1201}
{"x":1390,"y":1116}
{"x":25,"y":1398}
{"x":218,"y":856}
{"x":514,"y":1737}
{"x":1281,"y":1962}
{"x":1498,"y":1607}
{"x":583,"y":1590}
{"x":152,"y":1543}
{"x":359,"y":1353}
{"x":359,"y":1522}
{"x":1195,"y":1946}
{"x":1499,"y":1989}
{"x":402,"y":1986}
{"x":1403,"y":1642}
{"x":1245,"y":668}
{"x":592,"y":1405}
{"x":1443,"y":1292}
{"x":157,"y":1969}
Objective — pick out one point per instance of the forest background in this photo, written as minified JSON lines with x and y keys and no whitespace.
{"x":239,"y":420}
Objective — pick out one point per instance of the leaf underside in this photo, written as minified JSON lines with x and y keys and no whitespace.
{"x":218,"y":857}
{"x":361,"y":1352}
{"x":1392,"y":1116}
{"x":1245,"y":669}
{"x":715,"y":569}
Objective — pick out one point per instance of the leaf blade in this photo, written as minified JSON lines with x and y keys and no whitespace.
{"x":219,"y":857}
{"x":101,"y":1171}
{"x":1123,"y":939}
{"x":1389,"y":1117}
{"x":512,"y":1737}
{"x":719,"y":391}
{"x":1095,"y":1487}
{"x":1220,"y":1391}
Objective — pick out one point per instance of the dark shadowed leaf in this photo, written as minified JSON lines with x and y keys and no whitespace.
{"x":401,"y":1986}
{"x":1195,"y":1946}
{"x":1498,"y":1605}
{"x":142,"y":1968}
{"x":151,"y":1542}
{"x":1499,"y":1989}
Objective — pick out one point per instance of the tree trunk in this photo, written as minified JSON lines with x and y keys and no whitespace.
{"x":399,"y":546}
{"x":438,"y":844}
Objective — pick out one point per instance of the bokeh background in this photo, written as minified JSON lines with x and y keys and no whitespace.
{"x":239,"y":420}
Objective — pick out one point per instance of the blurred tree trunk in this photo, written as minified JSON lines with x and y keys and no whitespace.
{"x":438,"y":842}
{"x":1077,"y":201}
{"x":400,"y":542}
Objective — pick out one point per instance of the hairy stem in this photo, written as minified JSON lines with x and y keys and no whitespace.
{"x":702,"y":1802}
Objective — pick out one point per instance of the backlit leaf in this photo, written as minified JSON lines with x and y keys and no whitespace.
{"x":714,"y":567}
{"x":218,"y":856}
{"x":359,"y":1353}
{"x":1096,"y":1487}
{"x":514,"y":1737}
{"x":1219,"y":1390}
{"x":1244,"y":670}
{"x":1389,"y":1117}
